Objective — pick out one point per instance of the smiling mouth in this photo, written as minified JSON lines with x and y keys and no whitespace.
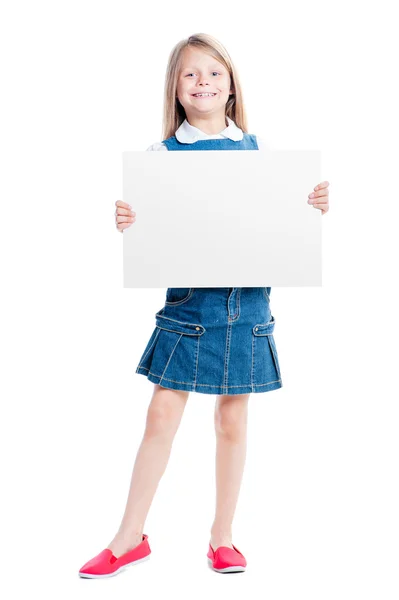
{"x":205,"y":95}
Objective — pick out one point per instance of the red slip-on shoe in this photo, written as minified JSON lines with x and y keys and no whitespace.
{"x":106,"y":564}
{"x":226,"y":560}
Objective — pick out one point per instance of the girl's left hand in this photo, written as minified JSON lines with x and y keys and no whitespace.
{"x":319,"y":198}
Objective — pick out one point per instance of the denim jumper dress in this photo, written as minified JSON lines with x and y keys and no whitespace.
{"x":213,"y":340}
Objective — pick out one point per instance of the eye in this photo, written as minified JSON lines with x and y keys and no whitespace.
{"x":188,"y":74}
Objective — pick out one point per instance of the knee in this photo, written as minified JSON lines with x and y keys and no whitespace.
{"x":231,"y":421}
{"x":161,"y":421}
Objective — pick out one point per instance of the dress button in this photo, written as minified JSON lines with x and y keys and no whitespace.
{"x":197,"y":328}
{"x":256,"y":328}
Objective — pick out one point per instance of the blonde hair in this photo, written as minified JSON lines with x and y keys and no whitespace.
{"x":173,"y":112}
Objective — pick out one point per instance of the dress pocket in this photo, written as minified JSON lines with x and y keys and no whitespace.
{"x":175,"y":356}
{"x":175,"y":296}
{"x":175,"y":326}
{"x":266,"y":363}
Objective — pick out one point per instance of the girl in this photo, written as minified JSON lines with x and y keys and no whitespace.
{"x":208,"y":340}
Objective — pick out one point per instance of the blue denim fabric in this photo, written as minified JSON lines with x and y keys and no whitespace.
{"x":214,"y":340}
{"x":247,"y":143}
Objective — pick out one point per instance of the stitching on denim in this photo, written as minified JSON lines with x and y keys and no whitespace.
{"x":170,"y":357}
{"x":237,"y":314}
{"x":209,"y":384}
{"x":146,"y":354}
{"x":179,"y":332}
{"x":226,"y":357}
{"x":238,"y":303}
{"x":266,"y":294}
{"x":196,"y":362}
{"x":181,"y":322}
{"x":253,"y":363}
{"x":178,"y":302}
{"x":274,"y":357}
{"x":271,"y":320}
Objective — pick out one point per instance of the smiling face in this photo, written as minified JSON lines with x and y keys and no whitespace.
{"x":201,"y":73}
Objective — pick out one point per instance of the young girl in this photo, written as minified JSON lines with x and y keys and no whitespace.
{"x":208,"y":340}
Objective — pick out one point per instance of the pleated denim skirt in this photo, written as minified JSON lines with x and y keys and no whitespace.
{"x":213,"y":341}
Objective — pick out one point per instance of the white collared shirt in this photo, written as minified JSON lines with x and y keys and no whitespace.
{"x":188,"y":134}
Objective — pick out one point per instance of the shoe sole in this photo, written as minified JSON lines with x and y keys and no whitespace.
{"x":90,"y":576}
{"x":232,"y":569}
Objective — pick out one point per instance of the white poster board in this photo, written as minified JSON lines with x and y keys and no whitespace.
{"x":222,"y":219}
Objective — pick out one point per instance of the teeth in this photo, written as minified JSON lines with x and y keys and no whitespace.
{"x":200,"y":95}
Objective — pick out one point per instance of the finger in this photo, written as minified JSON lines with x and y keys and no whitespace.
{"x":320,"y":194}
{"x":124,"y":211}
{"x":122,"y":226}
{"x":122,"y":204}
{"x":123,"y":219}
{"x":318,"y":201}
{"x":321,"y":185}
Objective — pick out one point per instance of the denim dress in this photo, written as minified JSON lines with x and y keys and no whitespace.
{"x":213,"y":340}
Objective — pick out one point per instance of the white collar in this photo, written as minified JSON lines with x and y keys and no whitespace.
{"x":187,"y":134}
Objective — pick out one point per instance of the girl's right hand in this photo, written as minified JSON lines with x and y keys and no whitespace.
{"x":124,"y":215}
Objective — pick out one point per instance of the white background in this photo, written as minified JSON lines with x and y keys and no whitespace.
{"x":317,"y":516}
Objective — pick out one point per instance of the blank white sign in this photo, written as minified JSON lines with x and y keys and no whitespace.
{"x":222,"y":219}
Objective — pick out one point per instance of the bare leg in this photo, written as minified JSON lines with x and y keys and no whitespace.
{"x":163,"y":419}
{"x":231,"y":445}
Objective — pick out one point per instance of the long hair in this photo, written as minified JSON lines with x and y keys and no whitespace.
{"x":173,"y":112}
